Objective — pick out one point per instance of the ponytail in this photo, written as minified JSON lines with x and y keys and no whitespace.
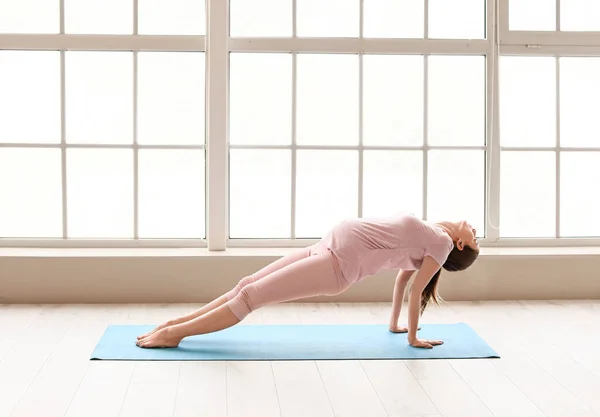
{"x":458,"y":260}
{"x":430,"y":292}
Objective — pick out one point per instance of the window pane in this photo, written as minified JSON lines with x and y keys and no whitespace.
{"x":99,"y":97}
{"x":260,"y":196}
{"x":30,"y":90}
{"x":533,"y":14}
{"x":171,"y":98}
{"x":327,"y":190}
{"x":456,"y":100}
{"x":388,"y":178}
{"x":29,"y":16}
{"x":528,"y":194}
{"x":394,"y":19}
{"x":30,"y":191}
{"x":579,"y":204}
{"x":457,"y":19}
{"x":579,"y":101}
{"x":327,"y":18}
{"x":327,"y":100}
{"x":100,"y":193}
{"x":99,"y":17}
{"x":393,"y":100}
{"x":527,"y":101}
{"x":171,"y":193}
{"x":580,"y":15}
{"x":174,"y":17}
{"x":260,"y":107}
{"x":256,"y":18}
{"x":456,"y":187}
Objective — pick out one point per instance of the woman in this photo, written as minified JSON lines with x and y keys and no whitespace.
{"x":351,"y":251}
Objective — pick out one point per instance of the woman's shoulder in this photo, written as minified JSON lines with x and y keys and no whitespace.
{"x":433,"y":234}
{"x":437,"y":243}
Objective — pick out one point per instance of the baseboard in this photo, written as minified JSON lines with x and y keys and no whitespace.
{"x":191,"y":276}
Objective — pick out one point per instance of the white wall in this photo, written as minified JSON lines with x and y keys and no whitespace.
{"x":196,"y":275}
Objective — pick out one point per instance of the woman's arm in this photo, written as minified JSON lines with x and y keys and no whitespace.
{"x":402,"y":280}
{"x":428,"y":269}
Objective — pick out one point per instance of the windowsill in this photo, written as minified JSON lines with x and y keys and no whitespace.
{"x":258,"y":252}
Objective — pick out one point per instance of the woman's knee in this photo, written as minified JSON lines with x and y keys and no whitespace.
{"x":248,"y":280}
{"x":244,"y":301}
{"x":244,"y":282}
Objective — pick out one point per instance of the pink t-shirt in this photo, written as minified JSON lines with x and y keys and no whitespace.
{"x":364,"y":247}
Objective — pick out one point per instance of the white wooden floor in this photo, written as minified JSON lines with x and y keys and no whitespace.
{"x":550,"y":366}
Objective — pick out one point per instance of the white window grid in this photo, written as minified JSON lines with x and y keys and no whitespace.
{"x":555,"y":44}
{"x":538,"y":39}
{"x":364,"y":46}
{"x":131,"y":43}
{"x":218,"y":45}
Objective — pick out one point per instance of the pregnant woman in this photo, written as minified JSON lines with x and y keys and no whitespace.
{"x":351,"y":251}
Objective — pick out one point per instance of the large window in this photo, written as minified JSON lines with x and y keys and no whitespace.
{"x":102,"y":136}
{"x":342,"y":109}
{"x":549,"y":83}
{"x":318,"y":137}
{"x":266,"y":122}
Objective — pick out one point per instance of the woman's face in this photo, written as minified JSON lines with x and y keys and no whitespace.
{"x":466,"y":236}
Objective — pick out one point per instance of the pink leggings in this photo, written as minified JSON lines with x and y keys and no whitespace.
{"x":303,"y":273}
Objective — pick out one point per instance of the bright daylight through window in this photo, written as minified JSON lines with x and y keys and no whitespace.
{"x":266,"y":122}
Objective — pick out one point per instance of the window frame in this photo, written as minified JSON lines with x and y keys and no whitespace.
{"x":541,"y":39}
{"x":217,"y":45}
{"x":555,"y":44}
{"x":365,"y":46}
{"x":134,"y":43}
{"x":555,"y":52}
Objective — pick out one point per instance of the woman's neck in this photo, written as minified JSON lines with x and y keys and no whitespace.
{"x":448,"y":227}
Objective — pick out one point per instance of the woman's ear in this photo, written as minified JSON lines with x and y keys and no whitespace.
{"x":460,"y":244}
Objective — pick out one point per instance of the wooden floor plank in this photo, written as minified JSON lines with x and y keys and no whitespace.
{"x":549,"y":366}
{"x":251,"y":390}
{"x":202,"y":390}
{"x":349,"y":389}
{"x":295,"y":377}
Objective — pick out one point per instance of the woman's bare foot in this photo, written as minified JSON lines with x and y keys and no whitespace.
{"x":156,"y":329}
{"x":160,"y":339}
{"x":188,"y":317}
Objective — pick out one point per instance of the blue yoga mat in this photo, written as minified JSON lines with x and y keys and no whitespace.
{"x":297,"y":342}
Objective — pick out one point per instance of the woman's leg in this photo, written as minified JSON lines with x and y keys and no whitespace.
{"x":290,"y":258}
{"x":308,"y":277}
{"x":208,"y":307}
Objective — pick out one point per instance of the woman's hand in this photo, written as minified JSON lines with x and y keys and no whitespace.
{"x":427,"y":344}
{"x":400,"y":329}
